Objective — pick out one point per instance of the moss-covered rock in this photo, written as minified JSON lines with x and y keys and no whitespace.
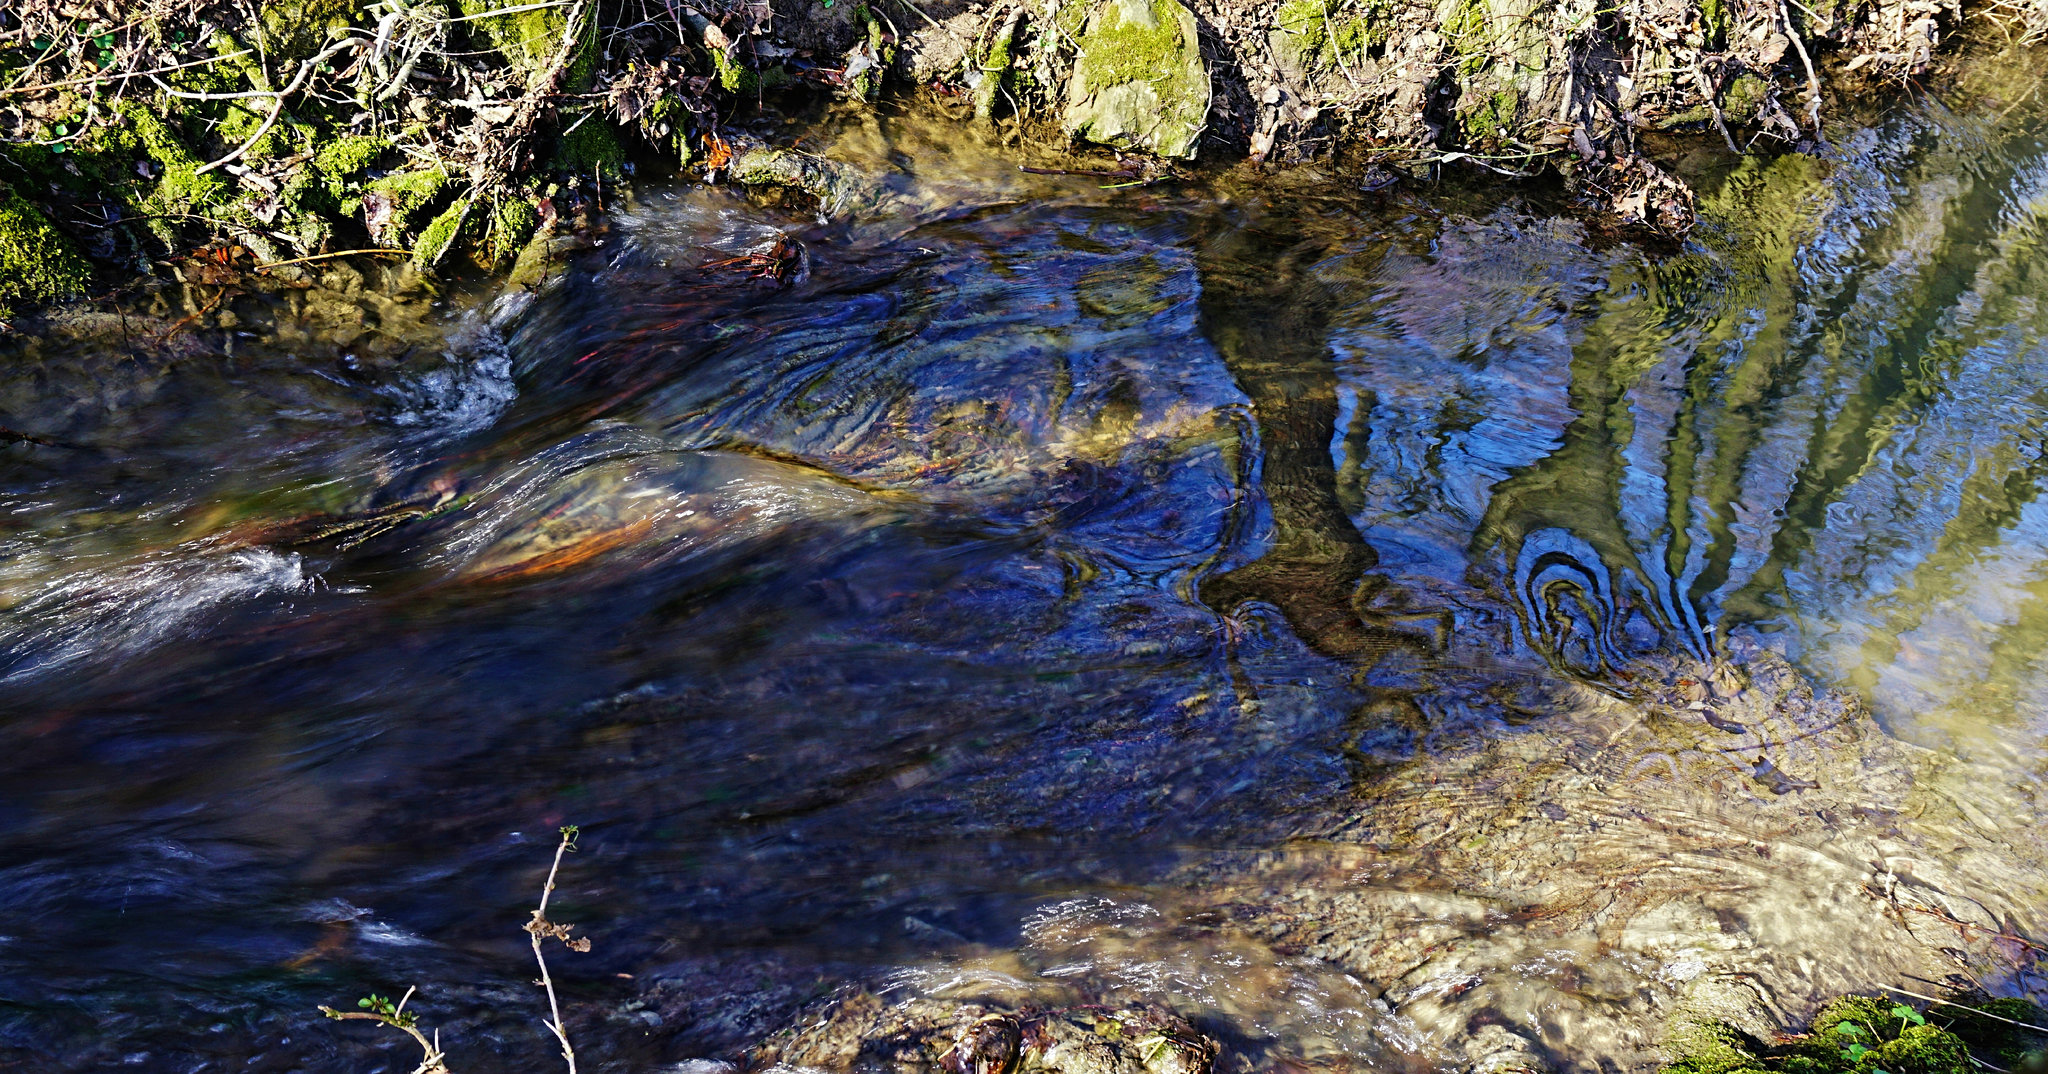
{"x":440,"y":236}
{"x":591,"y":147}
{"x":181,"y":190}
{"x":1865,"y":1035}
{"x":530,"y":40}
{"x":393,"y":204}
{"x":1139,"y":81}
{"x":1744,"y":96}
{"x":1502,"y":58}
{"x":837,"y":187}
{"x":879,"y":50}
{"x":512,"y":225}
{"x":1701,"y":1047}
{"x":733,"y":76}
{"x":37,"y":263}
{"x":350,"y":156}
{"x":1315,"y":35}
{"x":991,"y":68}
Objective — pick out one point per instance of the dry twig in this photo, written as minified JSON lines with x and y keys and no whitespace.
{"x":540,"y":926}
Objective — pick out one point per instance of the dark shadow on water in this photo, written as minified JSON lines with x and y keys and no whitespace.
{"x":1267,"y":314}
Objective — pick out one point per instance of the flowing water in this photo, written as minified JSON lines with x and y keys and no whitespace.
{"x":1356,"y":621}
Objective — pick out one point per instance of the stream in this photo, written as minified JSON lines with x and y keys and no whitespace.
{"x":1395,"y":630}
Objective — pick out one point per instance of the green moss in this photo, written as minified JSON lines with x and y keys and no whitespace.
{"x":1714,"y":15}
{"x":529,"y":41}
{"x":733,"y":76}
{"x":101,"y":164}
{"x":1924,"y":1049}
{"x":592,"y":147}
{"x":350,"y":156}
{"x":1306,"y":20}
{"x":1120,"y":49}
{"x":107,"y":157}
{"x":1313,"y":34}
{"x":1743,"y":96}
{"x":868,"y":83}
{"x":1492,"y":121}
{"x":291,"y":30}
{"x":1863,"y":1035}
{"x":1139,"y":81}
{"x":667,"y":122}
{"x":1707,"y":1048}
{"x":37,"y":263}
{"x":409,"y":193}
{"x":1466,"y":27}
{"x":512,"y":224}
{"x":228,"y":72}
{"x":308,"y":210}
{"x":243,"y":120}
{"x":1070,"y":20}
{"x":181,"y":189}
{"x":995,"y":67}
{"x":439,"y":236}
{"x":1868,"y":1012}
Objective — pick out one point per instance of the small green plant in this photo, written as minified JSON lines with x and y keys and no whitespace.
{"x":1858,"y":1034}
{"x":1855,"y":1049}
{"x":380,"y":1009}
{"x":376,"y":1008}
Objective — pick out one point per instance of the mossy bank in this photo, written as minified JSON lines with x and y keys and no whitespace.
{"x":451,"y":132}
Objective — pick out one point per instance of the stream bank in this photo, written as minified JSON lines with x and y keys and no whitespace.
{"x":203,"y":139}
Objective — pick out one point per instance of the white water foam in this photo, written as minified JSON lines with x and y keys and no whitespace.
{"x":465,"y":395}
{"x":113,"y":613}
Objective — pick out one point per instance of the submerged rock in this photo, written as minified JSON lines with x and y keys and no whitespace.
{"x":837,"y":187}
{"x":1139,"y":81}
{"x":862,"y":1032}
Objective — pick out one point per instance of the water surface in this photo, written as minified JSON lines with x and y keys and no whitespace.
{"x":1026,"y":604}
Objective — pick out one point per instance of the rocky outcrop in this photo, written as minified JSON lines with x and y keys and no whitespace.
{"x":1138,"y":80}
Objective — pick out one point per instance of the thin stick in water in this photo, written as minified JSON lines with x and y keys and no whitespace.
{"x":540,"y":926}
{"x":1964,"y":1007}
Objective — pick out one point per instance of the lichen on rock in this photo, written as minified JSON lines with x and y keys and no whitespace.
{"x":1139,"y":81}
